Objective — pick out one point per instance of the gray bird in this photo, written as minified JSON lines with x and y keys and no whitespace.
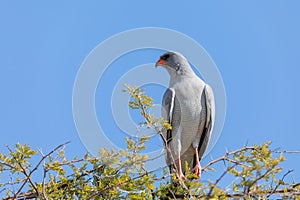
{"x":188,"y":105}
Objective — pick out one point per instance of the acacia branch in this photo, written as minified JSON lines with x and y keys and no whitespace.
{"x":280,"y":182}
{"x":148,"y":119}
{"x":219,"y":179}
{"x":24,"y":171}
{"x":226,"y":156}
{"x":28,"y":176}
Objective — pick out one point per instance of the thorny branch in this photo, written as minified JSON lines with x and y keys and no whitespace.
{"x":290,"y":190}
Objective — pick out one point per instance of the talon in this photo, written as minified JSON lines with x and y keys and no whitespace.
{"x":197,"y":170}
{"x":181,"y":176}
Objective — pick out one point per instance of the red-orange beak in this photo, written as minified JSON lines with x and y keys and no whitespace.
{"x":160,"y":62}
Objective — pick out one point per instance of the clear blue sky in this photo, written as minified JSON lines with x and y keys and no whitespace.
{"x":255,"y":45}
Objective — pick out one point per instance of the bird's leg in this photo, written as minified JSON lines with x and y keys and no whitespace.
{"x":177,"y":148}
{"x":197,"y":168}
{"x":180,"y":174}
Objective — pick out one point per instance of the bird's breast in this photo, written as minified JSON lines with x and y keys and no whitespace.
{"x":188,"y":100}
{"x":190,"y":110}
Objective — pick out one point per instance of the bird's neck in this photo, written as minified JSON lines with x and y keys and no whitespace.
{"x":185,"y":71}
{"x":176,"y":78}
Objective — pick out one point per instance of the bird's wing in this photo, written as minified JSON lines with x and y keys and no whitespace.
{"x":168,"y":104}
{"x":210,"y":118}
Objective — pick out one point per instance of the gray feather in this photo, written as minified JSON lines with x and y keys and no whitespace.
{"x":167,"y":113}
{"x":210,"y":116}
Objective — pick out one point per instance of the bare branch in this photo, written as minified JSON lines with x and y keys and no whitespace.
{"x":225,"y":157}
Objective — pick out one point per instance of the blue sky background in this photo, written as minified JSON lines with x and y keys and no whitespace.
{"x":255,"y":45}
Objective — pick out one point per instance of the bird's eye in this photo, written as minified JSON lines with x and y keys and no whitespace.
{"x":165,"y":57}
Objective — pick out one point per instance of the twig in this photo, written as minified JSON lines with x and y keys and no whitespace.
{"x":285,"y":151}
{"x":260,"y":177}
{"x":28,"y":176}
{"x":44,"y":182}
{"x":225,"y":157}
{"x":279,"y":182}
{"x":6,"y":164}
{"x":219,"y":179}
{"x":34,"y":169}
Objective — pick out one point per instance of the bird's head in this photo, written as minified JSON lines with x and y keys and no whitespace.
{"x":174,"y":63}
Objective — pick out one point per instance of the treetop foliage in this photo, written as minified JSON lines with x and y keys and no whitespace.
{"x":254,"y":172}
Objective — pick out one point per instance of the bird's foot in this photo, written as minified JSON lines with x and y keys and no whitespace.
{"x":180,"y":175}
{"x":197,"y":170}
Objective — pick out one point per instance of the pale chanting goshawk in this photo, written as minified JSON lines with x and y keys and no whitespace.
{"x":188,"y":105}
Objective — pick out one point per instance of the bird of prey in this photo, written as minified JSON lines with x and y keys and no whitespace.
{"x":188,"y":105}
